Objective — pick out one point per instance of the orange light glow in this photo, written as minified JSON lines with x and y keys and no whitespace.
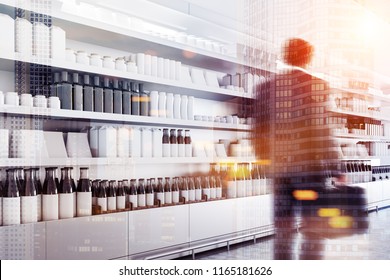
{"x":341,"y":222}
{"x":188,"y":54}
{"x":329,"y":212}
{"x":305,"y":195}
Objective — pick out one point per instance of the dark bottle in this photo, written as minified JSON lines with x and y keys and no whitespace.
{"x":168,"y":191}
{"x":218,"y":186}
{"x":133,"y":194}
{"x":95,"y":189}
{"x":117,"y":97}
{"x":184,"y":189}
{"x":49,"y":196}
{"x":111,"y":195}
{"x":20,"y":178}
{"x":248,"y":182}
{"x":198,"y":188}
{"x":180,"y":143}
{"x":256,"y":180}
{"x":77,"y":93}
{"x":191,"y":189}
{"x":149,"y":192}
{"x":175,"y":190}
{"x":65,"y":91}
{"x":165,"y":143}
{"x":102,"y":195}
{"x":135,"y":100}
{"x":11,"y":199}
{"x":126,"y":99}
{"x":65,"y":195}
{"x":188,"y":144}
{"x":206,"y":191}
{"x":88,"y":99}
{"x":120,"y":196}
{"x":213,"y":187}
{"x":74,"y":193}
{"x":39,"y":189}
{"x":173,"y":143}
{"x":54,"y":86}
{"x":108,"y":97}
{"x":160,"y":191}
{"x":144,"y":101}
{"x":98,"y":101}
{"x":126,"y":188}
{"x":141,"y":192}
{"x":84,"y":194}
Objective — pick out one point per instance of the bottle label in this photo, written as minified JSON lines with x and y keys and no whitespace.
{"x":206,"y":192}
{"x":111,"y":203}
{"x":121,"y":202}
{"x":256,"y":186}
{"x":248,"y":185}
{"x":191,"y":195}
{"x":11,"y":211}
{"x":102,"y":202}
{"x":213,"y":193}
{"x":185,"y":194}
{"x":241,"y":188}
{"x":166,"y":150}
{"x":198,"y":194}
{"x":174,"y":150}
{"x":188,"y":150}
{"x":65,"y":205}
{"x":181,"y":150}
{"x":149,"y":199}
{"x":168,"y":197}
{"x":161,"y":197}
{"x":49,"y":207}
{"x":84,"y":204}
{"x":28,"y":209}
{"x":39,"y":207}
{"x":218,"y":192}
{"x":175,"y":197}
{"x":141,"y":200}
{"x":231,"y":189}
{"x":134,"y":200}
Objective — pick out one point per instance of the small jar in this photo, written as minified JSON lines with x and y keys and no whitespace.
{"x":96,"y":60}
{"x":131,"y":67}
{"x":11,"y":98}
{"x":82,"y":57}
{"x":108,"y":62}
{"x":54,"y":102}
{"x":40,"y":101}
{"x":26,"y":100}
{"x":120,"y":64}
{"x":70,"y":55}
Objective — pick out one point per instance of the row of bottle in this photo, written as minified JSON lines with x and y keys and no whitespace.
{"x":25,"y":200}
{"x":119,"y":97}
{"x":357,"y":171}
{"x":380,"y":173}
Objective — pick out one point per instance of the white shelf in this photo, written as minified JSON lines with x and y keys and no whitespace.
{"x":363,"y":93}
{"x":372,"y":115}
{"x":47,"y":162}
{"x":356,"y":137}
{"x":117,"y":118}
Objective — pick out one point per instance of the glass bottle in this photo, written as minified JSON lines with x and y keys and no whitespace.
{"x":135,"y":100}
{"x":219,"y":187}
{"x":183,"y":185}
{"x":206,"y":187}
{"x":11,"y":199}
{"x":230,"y":180}
{"x":120,"y":196}
{"x":168,"y":191}
{"x":191,"y":189}
{"x":84,"y":194}
{"x":213,"y":187}
{"x":77,"y":93}
{"x":165,"y":143}
{"x":173,"y":143}
{"x":20,"y":178}
{"x":88,"y":96}
{"x":108,"y":97}
{"x":126,"y":188}
{"x":188,"y":144}
{"x":126,"y":99}
{"x":180,"y":143}
{"x":248,"y":181}
{"x":256,"y":180}
{"x":74,"y":188}
{"x":98,"y":102}
{"x":39,"y":189}
{"x":240,"y":180}
{"x":160,"y":195}
{"x":175,"y":190}
{"x":198,"y":188}
{"x":65,"y":92}
{"x":111,"y":195}
{"x":50,"y":196}
{"x":102,"y":195}
{"x":65,"y":195}
{"x":144,"y":101}
{"x":55,"y":84}
{"x":117,"y":97}
{"x":141,"y":193}
{"x":149,"y":193}
{"x":133,"y":194}
{"x":95,"y":190}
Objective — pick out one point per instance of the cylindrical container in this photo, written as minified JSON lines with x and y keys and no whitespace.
{"x":169,"y":105}
{"x":108,"y":62}
{"x":120,"y":196}
{"x":1,"y":98}
{"x":154,"y":112}
{"x":206,"y":190}
{"x":111,"y":195}
{"x":58,"y":43}
{"x":84,"y":194}
{"x":11,"y":98}
{"x":148,"y":64}
{"x":175,"y":190}
{"x":41,"y":40}
{"x":177,"y":70}
{"x":122,"y":141}
{"x":167,"y":68}
{"x":176,"y":106}
{"x":184,"y":107}
{"x":160,"y":67}
{"x":188,"y":144}
{"x":173,"y":143}
{"x":28,"y":196}
{"x":50,"y":196}
{"x":70,"y":55}
{"x":157,"y":147}
{"x":166,"y":147}
{"x":11,"y":199}
{"x":180,"y":143}
{"x":141,"y":63}
{"x":120,"y":64}
{"x":78,"y":98}
{"x":167,"y":191}
{"x":131,"y":67}
{"x":198,"y":188}
{"x":135,"y":142}
{"x":82,"y":57}
{"x":191,"y":189}
{"x":23,"y":36}
{"x":54,"y":102}
{"x":141,"y":193}
{"x":231,"y":189}
{"x":154,"y":66}
{"x":190,"y":108}
{"x":96,"y":60}
{"x":146,"y":142}
{"x":162,"y":102}
{"x":149,"y":190}
{"x":40,"y":101}
{"x":65,"y":195}
{"x":172,"y":70}
{"x":102,"y":195}
{"x":133,"y":195}
{"x":26,"y":100}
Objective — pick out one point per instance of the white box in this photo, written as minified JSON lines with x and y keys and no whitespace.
{"x":107,"y":142}
{"x":57,"y":43}
{"x":23,"y":37}
{"x":94,"y":141}
{"x":55,"y":144}
{"x":77,"y":145}
{"x":7,"y":42}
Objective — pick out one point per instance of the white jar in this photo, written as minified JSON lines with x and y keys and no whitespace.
{"x":108,"y":62}
{"x":131,"y":67}
{"x":160,"y":67}
{"x":40,"y":101}
{"x":70,"y":55}
{"x":184,"y":107}
{"x":11,"y":98}
{"x":176,"y":106}
{"x":169,"y":106}
{"x":190,"y":108}
{"x":162,"y":105}
{"x":26,"y":100}
{"x":167,"y":68}
{"x":148,"y":64}
{"x":154,"y":66}
{"x":82,"y":57}
{"x":54,"y":102}
{"x":141,"y":63}
{"x":96,"y":60}
{"x":120,"y":64}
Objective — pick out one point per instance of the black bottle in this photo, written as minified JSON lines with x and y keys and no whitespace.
{"x":144,"y":101}
{"x":168,"y":191}
{"x":133,"y":194}
{"x":111,"y":195}
{"x":102,"y":195}
{"x":88,"y":100}
{"x":11,"y":199}
{"x":160,"y":191}
{"x":120,"y":196}
{"x":54,"y":86}
{"x":84,"y":194}
{"x":149,"y":192}
{"x":77,"y":93}
{"x":126,"y":99}
{"x":135,"y":100}
{"x":141,"y":192}
{"x":108,"y":97}
{"x":117,"y":97}
{"x":65,"y":91}
{"x":50,"y":196}
{"x":98,"y":95}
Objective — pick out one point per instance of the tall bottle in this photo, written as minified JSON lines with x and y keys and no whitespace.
{"x":11,"y":199}
{"x":206,"y":190}
{"x":126,"y":99}
{"x":74,"y":187}
{"x":180,"y":143}
{"x":165,"y":143}
{"x":213,"y":187}
{"x":218,"y":187}
{"x":111,"y":195}
{"x":141,"y":193}
{"x":198,"y":188}
{"x":160,"y":195}
{"x":241,"y":180}
{"x":149,"y":190}
{"x":188,"y":144}
{"x":50,"y":196}
{"x":108,"y":96}
{"x":135,"y":100}
{"x":126,"y":188}
{"x":20,"y":177}
{"x":54,"y":86}
{"x":133,"y":195}
{"x":95,"y":190}
{"x":191,"y":189}
{"x":118,"y":98}
{"x":184,"y":189}
{"x":65,"y":195}
{"x":78,"y":98}
{"x":98,"y":102}
{"x":28,"y":198}
{"x":88,"y":96}
{"x":230,"y":180}
{"x":173,"y":143}
{"x":256,"y":180}
{"x":248,"y":182}
{"x":144,"y":101}
{"x":65,"y":91}
{"x":39,"y":189}
{"x":168,"y":191}
{"x":175,"y":190}
{"x":120,"y":196}
{"x":102,"y":195}
{"x":84,"y":194}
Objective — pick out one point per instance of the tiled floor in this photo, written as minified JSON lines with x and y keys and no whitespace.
{"x":371,"y":244}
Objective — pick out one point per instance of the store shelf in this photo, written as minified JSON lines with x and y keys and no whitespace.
{"x":371,"y":115}
{"x":356,"y":137}
{"x":369,"y":94}
{"x":117,"y":118}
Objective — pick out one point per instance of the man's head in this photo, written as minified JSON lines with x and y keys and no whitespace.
{"x":297,"y":52}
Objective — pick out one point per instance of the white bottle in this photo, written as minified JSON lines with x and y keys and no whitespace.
{"x":176,"y":106}
{"x":169,"y":105}
{"x":157,"y":149}
{"x":160,"y":67}
{"x":141,"y":63}
{"x":148,"y":64}
{"x":23,"y":37}
{"x":135,"y":142}
{"x":184,"y":107}
{"x":41,"y":39}
{"x":190,"y":108}
{"x":162,"y":105}
{"x":154,"y":104}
